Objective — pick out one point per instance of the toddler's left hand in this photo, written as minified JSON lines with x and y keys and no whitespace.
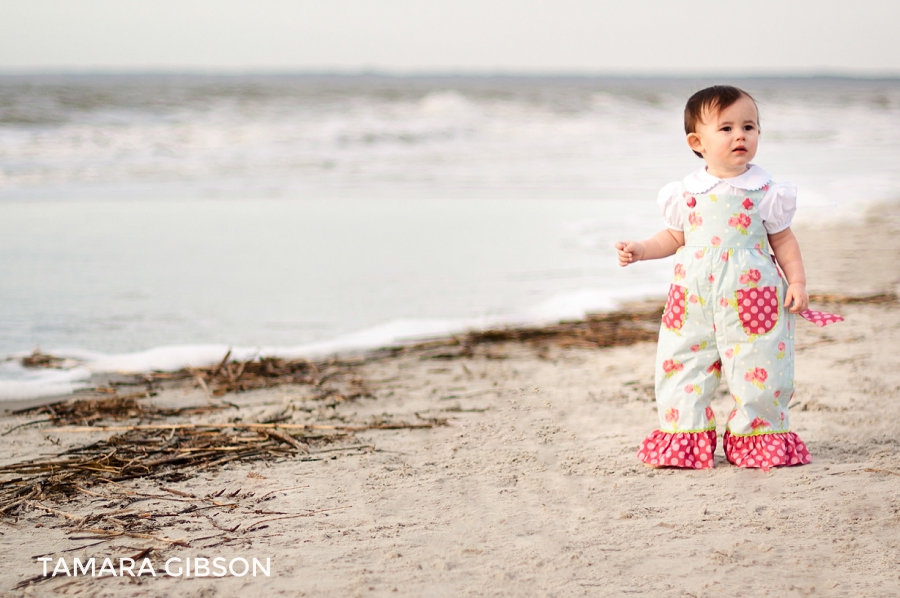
{"x":796,"y":297}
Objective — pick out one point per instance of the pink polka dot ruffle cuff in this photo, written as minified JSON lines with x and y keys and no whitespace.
{"x":679,"y":449}
{"x":766,"y":450}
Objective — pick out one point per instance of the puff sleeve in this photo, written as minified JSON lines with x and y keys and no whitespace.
{"x":777,"y":207}
{"x":669,"y":201}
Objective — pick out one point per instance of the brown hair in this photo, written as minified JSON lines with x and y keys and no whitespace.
{"x":711,"y":99}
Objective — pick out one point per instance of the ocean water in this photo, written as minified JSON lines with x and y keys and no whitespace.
{"x":149,"y":222}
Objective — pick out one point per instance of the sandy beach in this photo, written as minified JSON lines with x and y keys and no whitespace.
{"x":532,"y":487}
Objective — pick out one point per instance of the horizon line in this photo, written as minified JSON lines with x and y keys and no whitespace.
{"x":822,"y":73}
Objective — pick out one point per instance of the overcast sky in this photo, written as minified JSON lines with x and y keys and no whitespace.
{"x":598,"y":36}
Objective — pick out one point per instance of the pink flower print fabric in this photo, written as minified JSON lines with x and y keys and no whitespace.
{"x":759,"y":422}
{"x":672,"y":416}
{"x":695,"y":220}
{"x":750,"y":277}
{"x":671,"y":367}
{"x":741,"y":222}
{"x":782,"y":349}
{"x":757,"y":377}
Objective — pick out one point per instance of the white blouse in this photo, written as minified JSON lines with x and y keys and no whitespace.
{"x":777,"y":207}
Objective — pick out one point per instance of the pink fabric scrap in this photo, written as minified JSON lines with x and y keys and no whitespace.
{"x":820,"y":318}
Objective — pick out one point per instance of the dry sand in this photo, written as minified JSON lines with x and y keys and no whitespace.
{"x":534,"y":488}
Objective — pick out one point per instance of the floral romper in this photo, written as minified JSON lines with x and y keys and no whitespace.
{"x":725,"y":316}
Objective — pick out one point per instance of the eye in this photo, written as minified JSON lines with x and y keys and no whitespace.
{"x":749,"y":127}
{"x":726,"y":128}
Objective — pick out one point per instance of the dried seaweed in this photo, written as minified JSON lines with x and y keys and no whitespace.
{"x":619,"y":328}
{"x":168,"y":453}
{"x":231,"y":376}
{"x":172,"y":450}
{"x":596,"y":331}
{"x":42,"y":360}
{"x":874,"y":299}
{"x":86,"y":410}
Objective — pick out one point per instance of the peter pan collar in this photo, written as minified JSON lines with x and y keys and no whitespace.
{"x":701,"y":181}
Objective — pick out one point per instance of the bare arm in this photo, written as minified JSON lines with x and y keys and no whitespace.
{"x":787,"y":252}
{"x":662,"y":244}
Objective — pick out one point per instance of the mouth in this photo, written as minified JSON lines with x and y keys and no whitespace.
{"x":740,"y":149}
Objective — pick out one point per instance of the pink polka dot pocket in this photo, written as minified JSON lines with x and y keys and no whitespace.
{"x":757,"y":309}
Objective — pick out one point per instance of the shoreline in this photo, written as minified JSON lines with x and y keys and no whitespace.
{"x":633,"y":321}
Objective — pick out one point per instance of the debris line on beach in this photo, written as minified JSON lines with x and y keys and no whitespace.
{"x":173,"y":453}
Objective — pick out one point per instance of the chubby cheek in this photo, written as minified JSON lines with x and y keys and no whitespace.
{"x":752,"y":139}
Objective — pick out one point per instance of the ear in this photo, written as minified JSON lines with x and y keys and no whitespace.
{"x":694,"y":142}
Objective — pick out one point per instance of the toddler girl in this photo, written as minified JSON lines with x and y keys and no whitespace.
{"x":727,"y":309}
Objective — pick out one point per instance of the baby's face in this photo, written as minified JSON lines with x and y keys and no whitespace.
{"x":728,"y":139}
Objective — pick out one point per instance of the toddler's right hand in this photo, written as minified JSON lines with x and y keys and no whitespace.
{"x":629,"y":252}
